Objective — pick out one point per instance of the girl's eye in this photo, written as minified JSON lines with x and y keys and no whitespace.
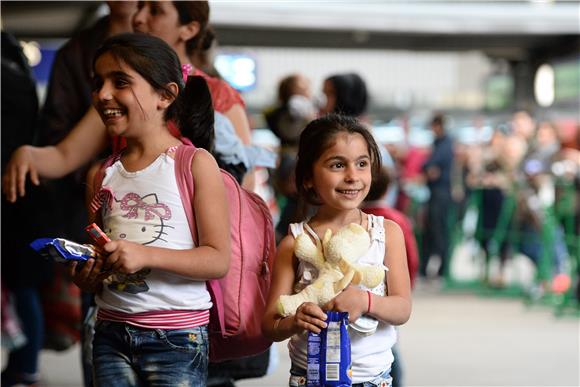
{"x":120,"y":83}
{"x":337,"y":165}
{"x":363,"y":164}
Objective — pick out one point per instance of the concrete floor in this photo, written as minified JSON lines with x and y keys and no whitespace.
{"x":451,"y":340}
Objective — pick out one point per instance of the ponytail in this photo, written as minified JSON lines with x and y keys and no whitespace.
{"x":194,"y":113}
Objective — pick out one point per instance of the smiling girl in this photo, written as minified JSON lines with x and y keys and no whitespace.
{"x":337,"y":157}
{"x":154,"y":309}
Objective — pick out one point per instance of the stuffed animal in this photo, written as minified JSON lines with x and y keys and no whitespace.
{"x":336,"y":261}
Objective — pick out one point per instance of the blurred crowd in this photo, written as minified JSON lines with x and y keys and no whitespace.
{"x":510,"y":184}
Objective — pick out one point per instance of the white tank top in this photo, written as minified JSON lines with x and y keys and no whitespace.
{"x":371,"y":354}
{"x":146,"y":208}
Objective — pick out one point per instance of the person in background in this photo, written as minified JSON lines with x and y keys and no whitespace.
{"x":437,"y":173}
{"x":286,"y":120}
{"x":490,"y":173}
{"x":537,"y":199}
{"x":24,"y":272}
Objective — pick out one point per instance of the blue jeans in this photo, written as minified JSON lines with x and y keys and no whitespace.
{"x":125,"y":355}
{"x":298,"y":379}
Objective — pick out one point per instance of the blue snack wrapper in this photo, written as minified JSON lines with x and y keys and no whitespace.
{"x":62,"y":250}
{"x":329,"y":362}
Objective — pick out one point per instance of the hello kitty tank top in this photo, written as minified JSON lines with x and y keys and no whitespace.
{"x":370,"y":353}
{"x":145,"y":207}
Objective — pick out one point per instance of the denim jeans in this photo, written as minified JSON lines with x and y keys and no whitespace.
{"x":125,"y":355}
{"x":298,"y":379}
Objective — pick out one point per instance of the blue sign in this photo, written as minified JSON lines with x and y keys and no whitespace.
{"x":239,"y":70}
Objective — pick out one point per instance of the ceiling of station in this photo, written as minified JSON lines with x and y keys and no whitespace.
{"x":509,"y":29}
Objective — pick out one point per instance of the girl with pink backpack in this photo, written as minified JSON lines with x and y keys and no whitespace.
{"x":151,"y":290}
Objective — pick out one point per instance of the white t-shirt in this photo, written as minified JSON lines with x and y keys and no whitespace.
{"x":146,"y":208}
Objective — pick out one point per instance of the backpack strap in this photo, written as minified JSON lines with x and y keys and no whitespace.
{"x":183,"y":158}
{"x":100,"y":196}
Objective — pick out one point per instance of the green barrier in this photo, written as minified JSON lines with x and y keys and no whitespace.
{"x":507,"y":230}
{"x":502,"y":232}
{"x":565,"y":214}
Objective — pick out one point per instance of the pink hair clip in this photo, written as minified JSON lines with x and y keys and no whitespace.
{"x":185,"y":70}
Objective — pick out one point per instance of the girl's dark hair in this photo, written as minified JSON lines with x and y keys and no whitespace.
{"x":351,"y":94}
{"x":197,"y":11}
{"x":159,"y":65}
{"x":379,"y":185}
{"x":319,"y":136}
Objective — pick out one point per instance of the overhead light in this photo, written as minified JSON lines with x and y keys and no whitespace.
{"x":544,"y":85}
{"x":32,"y":52}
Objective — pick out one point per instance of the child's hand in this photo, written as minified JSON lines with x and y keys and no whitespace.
{"x":352,"y":300}
{"x":90,"y":276}
{"x":124,"y":257}
{"x":309,"y":316}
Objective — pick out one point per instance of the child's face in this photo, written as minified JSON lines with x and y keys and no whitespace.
{"x":124,"y":100}
{"x":160,"y":19}
{"x":342,"y":176}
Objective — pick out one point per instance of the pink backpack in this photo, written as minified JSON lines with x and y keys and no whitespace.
{"x":239,"y":298}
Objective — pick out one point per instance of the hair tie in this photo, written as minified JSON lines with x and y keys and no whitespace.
{"x":185,"y":70}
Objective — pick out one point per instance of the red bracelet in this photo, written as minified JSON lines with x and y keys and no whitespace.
{"x":369,"y":297}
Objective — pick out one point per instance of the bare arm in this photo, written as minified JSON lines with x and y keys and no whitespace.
{"x":211,"y":258}
{"x":308,"y":316}
{"x":395,"y":307}
{"x":83,"y":143}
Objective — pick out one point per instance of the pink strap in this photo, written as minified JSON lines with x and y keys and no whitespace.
{"x":183,"y":159}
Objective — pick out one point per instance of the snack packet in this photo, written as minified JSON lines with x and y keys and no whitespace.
{"x":62,"y":250}
{"x":329,"y":362}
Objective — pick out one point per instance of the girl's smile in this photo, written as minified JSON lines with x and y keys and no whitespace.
{"x":111,"y":115}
